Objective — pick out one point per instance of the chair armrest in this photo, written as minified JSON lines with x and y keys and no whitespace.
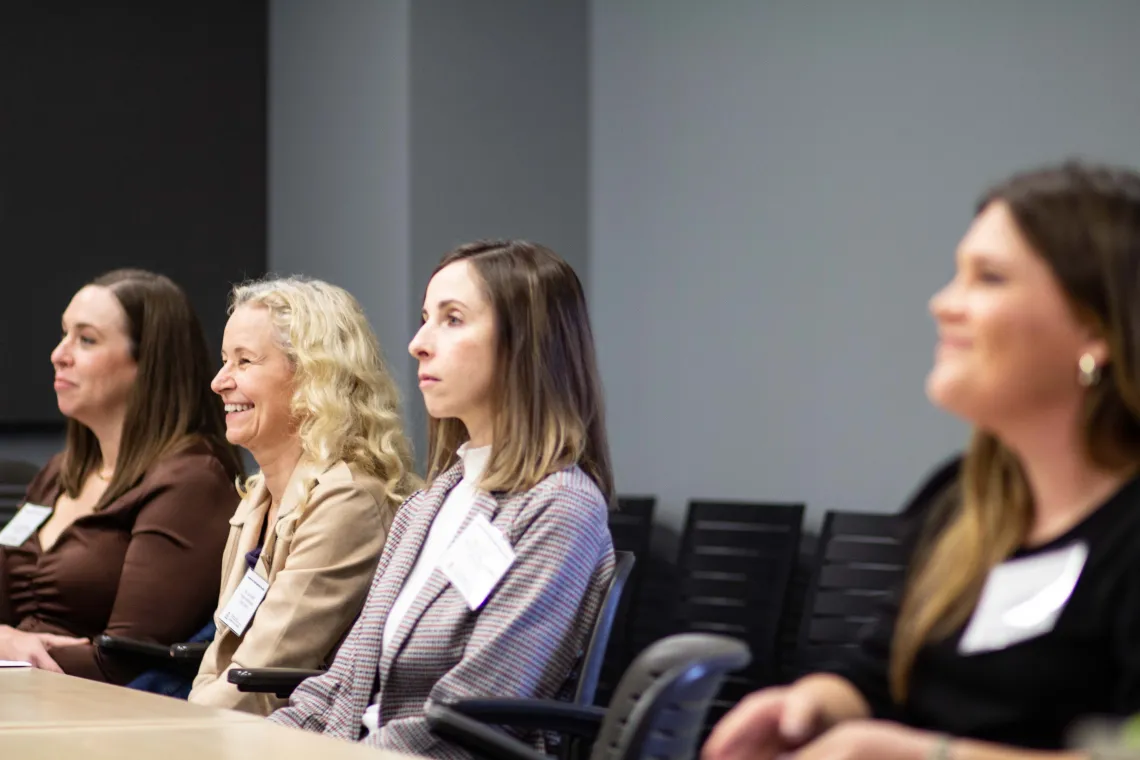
{"x":279,"y":681}
{"x":190,"y":652}
{"x":123,"y":645}
{"x":476,"y":737}
{"x":534,"y":714}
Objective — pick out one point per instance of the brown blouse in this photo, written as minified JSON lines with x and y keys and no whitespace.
{"x":146,"y":566}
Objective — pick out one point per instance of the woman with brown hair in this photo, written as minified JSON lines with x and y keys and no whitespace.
{"x":492,"y":576}
{"x":1021,"y":609}
{"x":122,"y":530}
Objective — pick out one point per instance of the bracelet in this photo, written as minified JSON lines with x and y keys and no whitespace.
{"x":941,"y":748}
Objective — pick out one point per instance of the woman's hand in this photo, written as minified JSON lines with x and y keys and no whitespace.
{"x":766,"y":724}
{"x":773,"y":722}
{"x":33,"y":648}
{"x":871,"y":740}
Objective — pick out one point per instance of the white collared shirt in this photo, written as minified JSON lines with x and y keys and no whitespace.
{"x":444,"y":530}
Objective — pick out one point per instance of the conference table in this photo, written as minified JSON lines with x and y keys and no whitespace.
{"x":46,"y":715}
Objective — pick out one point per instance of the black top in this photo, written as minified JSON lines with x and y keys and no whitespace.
{"x":1029,"y":693}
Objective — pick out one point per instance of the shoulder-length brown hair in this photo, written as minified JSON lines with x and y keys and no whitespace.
{"x":549,"y":413}
{"x":1084,"y":222}
{"x":171,"y":405}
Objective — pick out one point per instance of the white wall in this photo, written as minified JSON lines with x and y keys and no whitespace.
{"x":776,"y":191}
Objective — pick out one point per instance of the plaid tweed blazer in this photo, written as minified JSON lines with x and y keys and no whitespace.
{"x":523,"y":642}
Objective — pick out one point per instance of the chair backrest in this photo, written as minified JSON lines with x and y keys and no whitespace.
{"x":735,"y":566}
{"x":15,"y":476}
{"x":591,"y":668}
{"x":661,"y":703}
{"x":859,"y":562}
{"x":631,"y":527}
{"x":861,"y":559}
{"x":631,"y":524}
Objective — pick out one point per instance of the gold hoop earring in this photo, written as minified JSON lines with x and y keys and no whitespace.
{"x":1088,"y":373}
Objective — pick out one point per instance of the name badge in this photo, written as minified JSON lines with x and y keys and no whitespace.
{"x":477,"y":560}
{"x":1023,"y":598}
{"x":26,"y":522}
{"x":243,"y":604}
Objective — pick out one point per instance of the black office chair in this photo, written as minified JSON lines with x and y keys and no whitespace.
{"x":631,"y":527}
{"x":736,"y":562}
{"x":177,"y":658}
{"x":858,"y":563}
{"x":283,"y":681}
{"x":658,"y":710}
{"x":861,"y":560}
{"x":15,"y":476}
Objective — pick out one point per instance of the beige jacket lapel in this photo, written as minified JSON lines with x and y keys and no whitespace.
{"x":295,"y":489}
{"x":245,"y":530}
{"x":247,"y":522}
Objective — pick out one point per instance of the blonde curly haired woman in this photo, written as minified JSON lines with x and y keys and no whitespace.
{"x":306,"y":392}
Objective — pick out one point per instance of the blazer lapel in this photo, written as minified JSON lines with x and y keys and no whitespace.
{"x":485,"y":505}
{"x":304,"y":472}
{"x":409,"y":530}
{"x":408,"y":549}
{"x":248,"y":518}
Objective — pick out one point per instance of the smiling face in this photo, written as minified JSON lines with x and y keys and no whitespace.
{"x":255,"y":382}
{"x":1009,"y":341}
{"x":94,"y":367}
{"x":456,"y":347}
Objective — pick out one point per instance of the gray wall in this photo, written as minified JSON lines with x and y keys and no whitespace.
{"x":339,"y":95}
{"x":499,"y":148}
{"x":777,"y":189}
{"x":398,"y":130}
{"x":772,"y":191}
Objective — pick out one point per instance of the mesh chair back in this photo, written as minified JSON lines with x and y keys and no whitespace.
{"x":660,"y":706}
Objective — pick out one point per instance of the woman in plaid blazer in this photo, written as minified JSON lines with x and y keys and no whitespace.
{"x":492,"y":576}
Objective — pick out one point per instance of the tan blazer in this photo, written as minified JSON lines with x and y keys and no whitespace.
{"x":319,"y":561}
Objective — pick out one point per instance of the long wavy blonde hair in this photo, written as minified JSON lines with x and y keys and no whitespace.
{"x":1084,"y":222}
{"x":345,"y":402}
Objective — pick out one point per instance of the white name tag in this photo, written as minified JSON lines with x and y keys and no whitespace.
{"x":477,"y":560}
{"x":1023,"y":598}
{"x":26,"y":522}
{"x":243,"y":604}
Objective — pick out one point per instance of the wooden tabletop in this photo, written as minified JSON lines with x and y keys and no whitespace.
{"x":218,"y":741}
{"x":48,"y":716}
{"x":32,"y":698}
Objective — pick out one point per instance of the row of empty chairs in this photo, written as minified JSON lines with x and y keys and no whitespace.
{"x":747,"y":570}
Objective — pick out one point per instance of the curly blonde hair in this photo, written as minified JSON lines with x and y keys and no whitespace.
{"x":344,"y":399}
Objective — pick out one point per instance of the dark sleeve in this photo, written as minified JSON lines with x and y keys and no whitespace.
{"x":1126,"y":700}
{"x":169,"y":583}
{"x":42,"y":483}
{"x":867,"y":666}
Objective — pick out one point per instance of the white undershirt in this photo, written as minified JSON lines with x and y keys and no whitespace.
{"x":444,"y":530}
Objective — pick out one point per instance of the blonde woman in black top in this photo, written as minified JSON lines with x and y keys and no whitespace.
{"x":1021,"y":610}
